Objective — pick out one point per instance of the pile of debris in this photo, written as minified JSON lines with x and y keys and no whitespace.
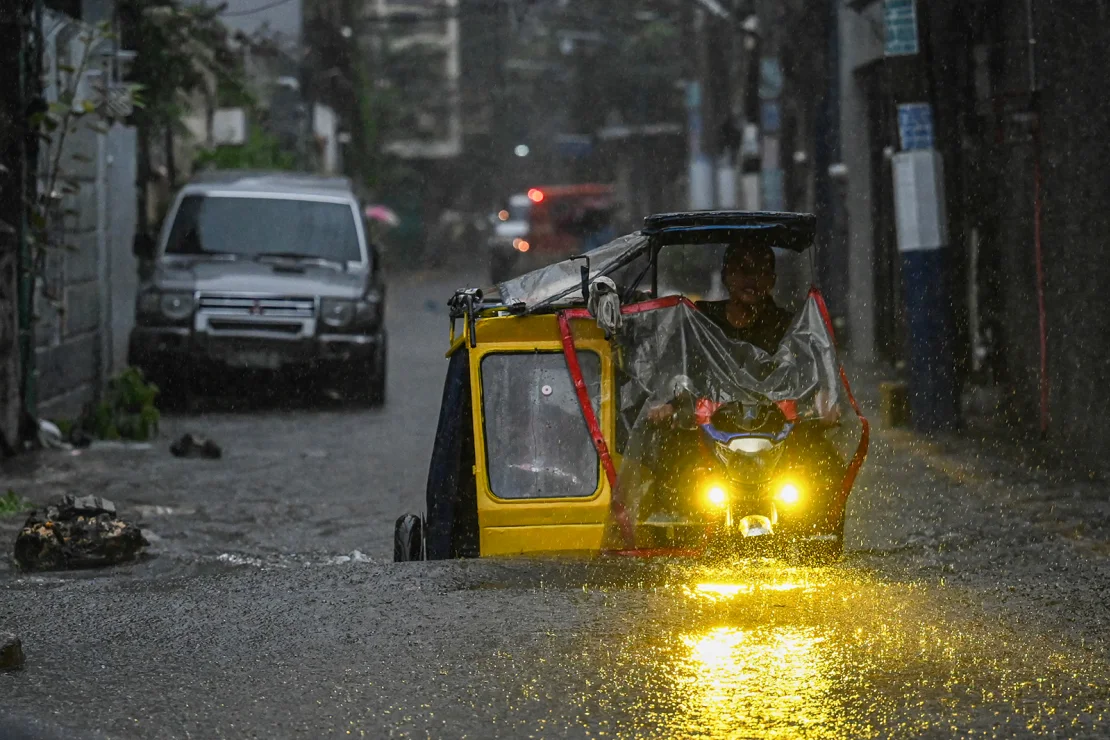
{"x":77,"y":532}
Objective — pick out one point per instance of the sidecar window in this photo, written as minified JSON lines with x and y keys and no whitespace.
{"x":537,"y":442}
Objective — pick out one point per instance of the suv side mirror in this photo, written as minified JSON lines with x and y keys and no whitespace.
{"x":143,"y":246}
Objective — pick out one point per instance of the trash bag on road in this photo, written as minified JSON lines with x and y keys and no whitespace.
{"x":77,"y":532}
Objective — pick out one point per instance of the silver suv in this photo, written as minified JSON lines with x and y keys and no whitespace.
{"x":266,"y":272}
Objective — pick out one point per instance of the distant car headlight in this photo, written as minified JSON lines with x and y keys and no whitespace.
{"x":337,"y":313}
{"x":176,"y":306}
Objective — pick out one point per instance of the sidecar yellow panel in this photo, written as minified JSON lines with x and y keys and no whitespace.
{"x":540,"y":485}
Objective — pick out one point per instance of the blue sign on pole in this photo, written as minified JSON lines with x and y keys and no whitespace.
{"x":774,"y":190}
{"x":770,"y":117}
{"x":693,"y":113}
{"x":693,"y":95}
{"x":915,"y":126}
{"x":771,"y":78}
{"x":900,"y":26}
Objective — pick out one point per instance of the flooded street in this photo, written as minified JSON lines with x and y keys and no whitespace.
{"x":970,"y":601}
{"x":481,"y":369}
{"x":546,"y":650}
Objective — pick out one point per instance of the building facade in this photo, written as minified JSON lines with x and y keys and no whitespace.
{"x":1020,"y":124}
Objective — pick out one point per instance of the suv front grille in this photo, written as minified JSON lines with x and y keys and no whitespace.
{"x":224,"y":325}
{"x":278,"y":308}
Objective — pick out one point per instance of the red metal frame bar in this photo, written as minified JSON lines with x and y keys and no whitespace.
{"x":575,"y":369}
{"x":865,"y":437}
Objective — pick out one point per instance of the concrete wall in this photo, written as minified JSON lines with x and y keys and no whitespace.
{"x":84,"y":302}
{"x":121,"y":267}
{"x":1071,"y":40}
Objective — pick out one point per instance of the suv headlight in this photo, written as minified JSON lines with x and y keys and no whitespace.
{"x":177,"y":306}
{"x":343,"y":314}
{"x":336,"y":313}
{"x":174,"y":306}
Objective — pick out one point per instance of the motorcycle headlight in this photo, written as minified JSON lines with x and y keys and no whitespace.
{"x":752,"y":464}
{"x":789,"y":493}
{"x":716,"y":496}
{"x":176,"y":306}
{"x":336,"y":313}
{"x":750,"y":445}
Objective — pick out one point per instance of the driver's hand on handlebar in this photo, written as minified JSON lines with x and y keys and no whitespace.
{"x":661,"y":413}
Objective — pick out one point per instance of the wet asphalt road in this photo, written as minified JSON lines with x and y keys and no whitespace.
{"x":973,"y":600}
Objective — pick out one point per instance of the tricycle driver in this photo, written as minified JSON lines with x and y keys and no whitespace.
{"x":749,"y":315}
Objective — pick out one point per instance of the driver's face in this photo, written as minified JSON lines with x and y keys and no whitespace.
{"x":749,"y":275}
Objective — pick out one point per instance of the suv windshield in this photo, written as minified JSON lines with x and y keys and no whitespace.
{"x":253,"y":227}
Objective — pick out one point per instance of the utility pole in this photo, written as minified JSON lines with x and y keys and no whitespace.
{"x":709,"y":109}
{"x":699,"y":112}
{"x":768,"y":81}
{"x":750,"y":149}
{"x":922,"y":222}
{"x":718,"y":94}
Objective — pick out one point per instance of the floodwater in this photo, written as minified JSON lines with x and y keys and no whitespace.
{"x":971,"y":602}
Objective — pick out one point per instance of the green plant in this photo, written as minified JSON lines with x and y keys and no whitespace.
{"x":183,"y":48}
{"x":261,"y":151}
{"x":12,"y":504}
{"x":65,"y":426}
{"x":127,"y":411}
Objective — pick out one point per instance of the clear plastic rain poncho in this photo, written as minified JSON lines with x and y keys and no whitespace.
{"x":678,"y":346}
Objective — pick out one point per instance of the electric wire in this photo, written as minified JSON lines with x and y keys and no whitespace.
{"x":260,"y":9}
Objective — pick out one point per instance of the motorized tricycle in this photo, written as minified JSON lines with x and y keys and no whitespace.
{"x":547,"y":442}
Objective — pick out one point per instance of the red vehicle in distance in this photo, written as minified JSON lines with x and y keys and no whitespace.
{"x":548,"y":224}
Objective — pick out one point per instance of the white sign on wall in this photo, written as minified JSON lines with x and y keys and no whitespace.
{"x":919,"y":208}
{"x":229,"y":126}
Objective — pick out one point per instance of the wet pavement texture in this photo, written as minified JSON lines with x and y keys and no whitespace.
{"x":972,"y":599}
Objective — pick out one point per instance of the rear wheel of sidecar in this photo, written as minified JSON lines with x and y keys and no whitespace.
{"x":408,"y":539}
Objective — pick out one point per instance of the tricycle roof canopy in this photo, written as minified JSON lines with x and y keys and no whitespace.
{"x":561,"y":282}
{"x":793,"y":231}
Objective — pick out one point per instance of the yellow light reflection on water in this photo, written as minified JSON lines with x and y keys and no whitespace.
{"x":722,"y":590}
{"x":769,"y":681}
{"x":726,"y":591}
